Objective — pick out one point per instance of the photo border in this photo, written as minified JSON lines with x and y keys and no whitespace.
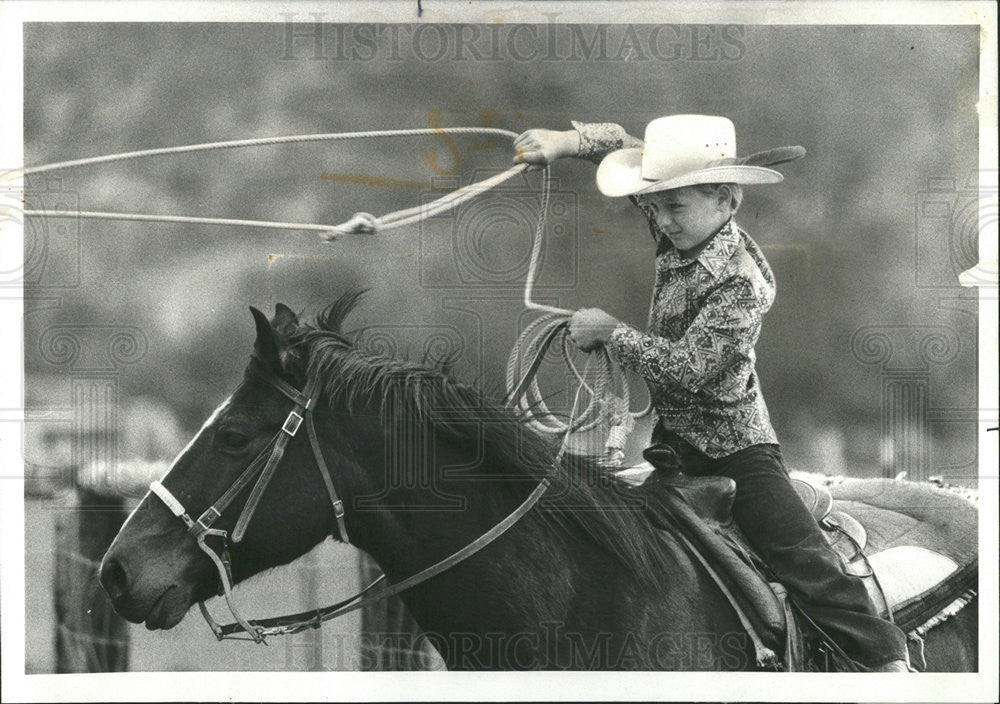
{"x":554,"y":686}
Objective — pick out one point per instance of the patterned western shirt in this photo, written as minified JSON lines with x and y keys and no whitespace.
{"x":697,"y":356}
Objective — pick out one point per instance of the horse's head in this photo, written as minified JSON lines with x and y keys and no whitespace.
{"x":154,"y":571}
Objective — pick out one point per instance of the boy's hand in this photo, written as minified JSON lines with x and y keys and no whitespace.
{"x":540,"y":147}
{"x":591,"y":327}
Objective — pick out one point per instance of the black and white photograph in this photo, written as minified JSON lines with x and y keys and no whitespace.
{"x":596,"y":351}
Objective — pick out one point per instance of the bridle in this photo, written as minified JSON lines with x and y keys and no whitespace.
{"x":264,"y":465}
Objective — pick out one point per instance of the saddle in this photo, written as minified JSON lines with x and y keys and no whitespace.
{"x":907,"y":582}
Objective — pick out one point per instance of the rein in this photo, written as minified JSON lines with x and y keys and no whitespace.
{"x":262,"y":467}
{"x":294,"y":623}
{"x":526,"y":395}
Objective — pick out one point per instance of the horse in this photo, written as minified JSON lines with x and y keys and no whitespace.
{"x":424,"y":464}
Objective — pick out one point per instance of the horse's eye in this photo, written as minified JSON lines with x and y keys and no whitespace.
{"x":231,"y":440}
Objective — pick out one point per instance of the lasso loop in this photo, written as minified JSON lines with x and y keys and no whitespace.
{"x":604,"y":405}
{"x":360,"y":223}
{"x":256,"y":142}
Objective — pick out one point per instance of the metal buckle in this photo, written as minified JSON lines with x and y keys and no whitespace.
{"x":211,"y":515}
{"x":338,"y":508}
{"x":292,"y":423}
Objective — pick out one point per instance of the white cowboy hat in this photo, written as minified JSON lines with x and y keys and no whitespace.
{"x":685,"y":150}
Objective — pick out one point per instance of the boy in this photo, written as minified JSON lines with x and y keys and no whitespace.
{"x":713,"y":286}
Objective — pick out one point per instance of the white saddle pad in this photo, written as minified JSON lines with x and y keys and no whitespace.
{"x":904,"y":571}
{"x":907,"y":571}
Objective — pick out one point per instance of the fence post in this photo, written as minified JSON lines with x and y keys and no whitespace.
{"x":90,"y":637}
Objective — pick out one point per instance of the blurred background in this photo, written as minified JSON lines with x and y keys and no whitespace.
{"x":867,"y":359}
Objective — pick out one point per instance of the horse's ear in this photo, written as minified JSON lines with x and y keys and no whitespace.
{"x":266,"y":346}
{"x":285,"y":321}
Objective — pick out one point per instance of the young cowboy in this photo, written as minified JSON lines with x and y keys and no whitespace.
{"x":712,"y":289}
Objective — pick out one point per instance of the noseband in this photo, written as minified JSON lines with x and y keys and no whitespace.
{"x":264,"y":465}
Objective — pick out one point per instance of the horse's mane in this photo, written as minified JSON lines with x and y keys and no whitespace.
{"x":583,"y":495}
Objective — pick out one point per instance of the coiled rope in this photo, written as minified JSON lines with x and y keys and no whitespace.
{"x":609,"y":394}
{"x":609,"y":397}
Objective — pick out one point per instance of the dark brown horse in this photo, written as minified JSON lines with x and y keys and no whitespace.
{"x":425,"y":465}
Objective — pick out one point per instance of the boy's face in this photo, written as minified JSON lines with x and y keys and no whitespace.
{"x":686,"y":215}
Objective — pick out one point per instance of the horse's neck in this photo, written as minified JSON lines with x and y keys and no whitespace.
{"x":536,"y":573}
{"x":538,"y":584}
{"x":413,"y":515}
{"x":413,"y":499}
{"x":413,"y":520}
{"x":523,"y":578}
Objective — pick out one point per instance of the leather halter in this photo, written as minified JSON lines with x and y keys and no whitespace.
{"x":268,"y":459}
{"x":264,"y":464}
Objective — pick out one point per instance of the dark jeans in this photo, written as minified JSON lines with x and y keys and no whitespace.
{"x":775,"y":520}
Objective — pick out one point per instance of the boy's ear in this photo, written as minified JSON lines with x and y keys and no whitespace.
{"x":723,"y":197}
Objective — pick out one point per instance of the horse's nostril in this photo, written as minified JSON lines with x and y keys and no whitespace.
{"x":113,"y":577}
